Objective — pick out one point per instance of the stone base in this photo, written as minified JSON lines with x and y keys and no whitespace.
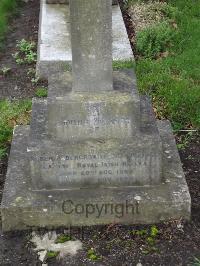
{"x":22,"y":208}
{"x":114,"y":2}
{"x":54,"y":44}
{"x":70,"y":146}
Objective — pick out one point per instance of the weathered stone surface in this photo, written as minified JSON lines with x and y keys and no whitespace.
{"x":91,"y":37}
{"x":54,"y":44}
{"x":94,"y":153}
{"x":114,"y":2}
{"x":109,"y":151}
{"x":81,"y":116}
{"x":22,"y":208}
{"x":84,"y":116}
{"x":96,"y":163}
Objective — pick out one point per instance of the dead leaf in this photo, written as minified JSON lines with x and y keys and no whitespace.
{"x":174,"y":25}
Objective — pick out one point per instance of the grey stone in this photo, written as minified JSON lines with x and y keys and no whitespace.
{"x":23,"y":208}
{"x":114,"y":2}
{"x":91,"y":37}
{"x":109,"y":151}
{"x":79,"y":116}
{"x":54,"y":44}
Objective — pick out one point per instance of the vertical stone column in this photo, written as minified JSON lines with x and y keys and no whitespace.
{"x":91,"y":37}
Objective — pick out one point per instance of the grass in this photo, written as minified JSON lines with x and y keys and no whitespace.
{"x":168,"y":63}
{"x":196,"y":262}
{"x":41,"y":92}
{"x":123,"y":64}
{"x":11,"y":114}
{"x":6,"y":8}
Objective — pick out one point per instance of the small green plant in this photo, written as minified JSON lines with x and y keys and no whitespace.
{"x":25,"y":46}
{"x":142,"y":232}
{"x":41,"y":92}
{"x":148,"y":236}
{"x":31,"y":57}
{"x":154,"y":231}
{"x":35,"y":80}
{"x":26,"y":52}
{"x":185,"y":140}
{"x":3,"y":152}
{"x":18,"y":58}
{"x":62,"y":238}
{"x":52,"y":254}
{"x":91,"y":254}
{"x":31,"y":72}
{"x":154,"y":40}
{"x":5,"y":70}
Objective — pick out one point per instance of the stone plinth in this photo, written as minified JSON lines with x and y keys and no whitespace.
{"x":76,"y":116}
{"x":114,"y":2}
{"x":84,"y":116}
{"x":23,"y":208}
{"x":87,"y":140}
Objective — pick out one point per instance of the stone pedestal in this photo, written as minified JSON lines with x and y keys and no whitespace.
{"x":140,"y":174}
{"x":94,"y":152}
{"x":88,"y":140}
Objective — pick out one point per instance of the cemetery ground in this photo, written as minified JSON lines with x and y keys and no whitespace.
{"x":165,"y":40}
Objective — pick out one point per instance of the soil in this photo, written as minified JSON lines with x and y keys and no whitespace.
{"x":177,"y":242}
{"x":17,"y":83}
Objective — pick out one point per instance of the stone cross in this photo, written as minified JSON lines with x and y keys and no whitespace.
{"x":91,"y":37}
{"x":93,"y":146}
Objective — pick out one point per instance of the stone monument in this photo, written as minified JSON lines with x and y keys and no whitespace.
{"x":94,"y":152}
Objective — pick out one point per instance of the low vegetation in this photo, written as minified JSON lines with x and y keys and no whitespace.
{"x":6,"y":8}
{"x":41,"y":92}
{"x":26,"y":52}
{"x":168,"y":58}
{"x":196,"y":262}
{"x":52,"y":254}
{"x":123,"y":64}
{"x":62,"y":239}
{"x":12,"y":114}
{"x":92,"y":255}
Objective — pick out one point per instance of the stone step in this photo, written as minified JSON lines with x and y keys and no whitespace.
{"x":23,"y":208}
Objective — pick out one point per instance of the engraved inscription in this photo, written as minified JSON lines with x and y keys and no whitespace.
{"x":98,"y":168}
{"x":96,"y":121}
